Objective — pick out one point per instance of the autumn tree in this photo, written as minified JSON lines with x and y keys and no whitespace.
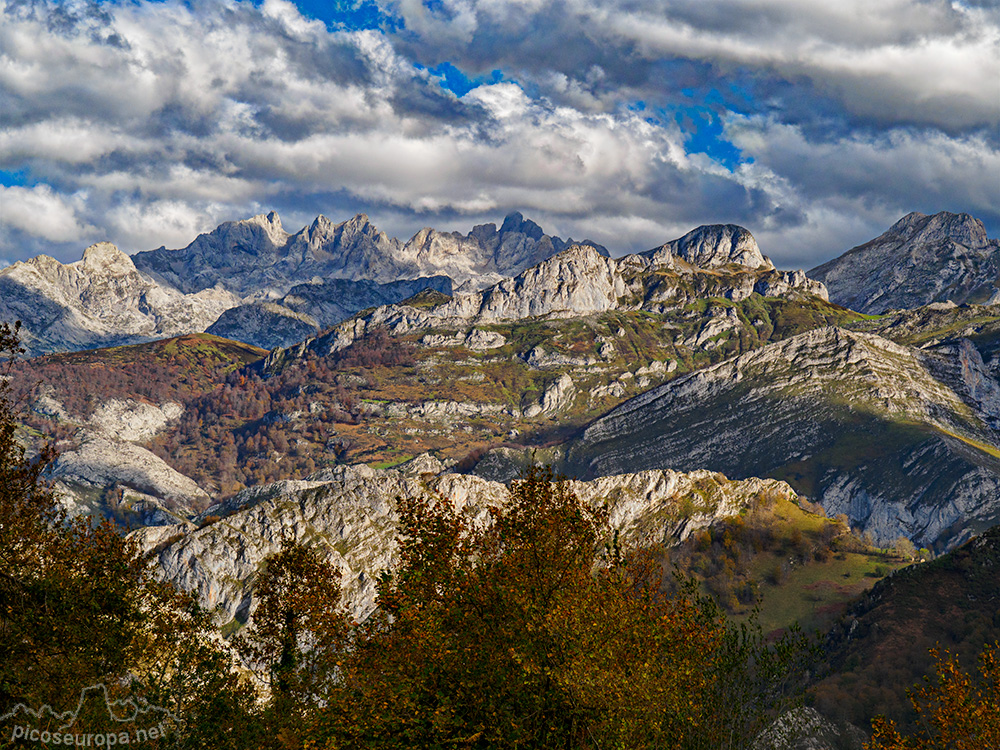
{"x":67,"y":599}
{"x":955,"y":711}
{"x":79,"y":607}
{"x":533,"y":628}
{"x":177,"y":663}
{"x":296,"y":638}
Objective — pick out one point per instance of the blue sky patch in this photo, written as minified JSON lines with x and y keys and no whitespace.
{"x":457,"y":82}
{"x":703,"y":130}
{"x":345,"y":14}
{"x":15,"y":178}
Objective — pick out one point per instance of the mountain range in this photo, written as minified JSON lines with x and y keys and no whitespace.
{"x":680,"y":385}
{"x":272,"y":287}
{"x":258,"y":254}
{"x":252,"y":281}
{"x":816,"y":404}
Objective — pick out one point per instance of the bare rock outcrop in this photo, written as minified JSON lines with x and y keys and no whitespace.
{"x":256,"y":254}
{"x":101,"y":462}
{"x":349,"y":514}
{"x":712,"y":246}
{"x":557,"y":397}
{"x":108,"y":474}
{"x":133,"y":421}
{"x":897,"y":438}
{"x":101,"y":300}
{"x":919,"y":260}
{"x":578,"y":282}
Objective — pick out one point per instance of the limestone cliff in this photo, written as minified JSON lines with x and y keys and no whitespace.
{"x":349,"y":513}
{"x":899,"y":439}
{"x":257,"y":254}
{"x":579,"y":282}
{"x":920,"y":259}
{"x":101,"y":300}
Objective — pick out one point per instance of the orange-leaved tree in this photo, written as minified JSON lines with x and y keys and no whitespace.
{"x":296,"y":638}
{"x":532,"y":628}
{"x":68,"y":596}
{"x":79,"y":608}
{"x":954,"y":710}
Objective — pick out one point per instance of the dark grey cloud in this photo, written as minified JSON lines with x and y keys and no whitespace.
{"x":931,"y":62}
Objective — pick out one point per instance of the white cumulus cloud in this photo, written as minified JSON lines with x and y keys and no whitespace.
{"x":44,"y":213}
{"x":147,"y":122}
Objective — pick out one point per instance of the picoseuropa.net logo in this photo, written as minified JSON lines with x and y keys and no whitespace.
{"x":96,"y":722}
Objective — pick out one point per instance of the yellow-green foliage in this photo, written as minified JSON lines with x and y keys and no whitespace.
{"x":787,"y":558}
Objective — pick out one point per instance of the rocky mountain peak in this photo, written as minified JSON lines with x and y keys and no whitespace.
{"x":261,"y":227}
{"x":483,"y":233}
{"x":921,"y":228}
{"x":256,"y":255}
{"x":905,"y":226}
{"x":105,"y":258}
{"x":515,"y":222}
{"x":360,"y":228}
{"x":919,"y":260}
{"x":320,"y":230}
{"x":100,"y":300}
{"x":713,"y":245}
{"x":271,"y":224}
{"x":358,"y":222}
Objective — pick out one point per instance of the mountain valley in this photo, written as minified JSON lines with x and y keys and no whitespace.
{"x":786,"y":438}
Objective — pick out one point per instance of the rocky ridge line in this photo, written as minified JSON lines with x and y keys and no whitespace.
{"x":580,"y":281}
{"x":349,"y":513}
{"x":101,"y":300}
{"x":257,"y":254}
{"x":899,"y":439}
{"x":919,"y":260}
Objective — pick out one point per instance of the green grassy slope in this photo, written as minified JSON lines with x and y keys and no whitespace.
{"x":787,"y":559}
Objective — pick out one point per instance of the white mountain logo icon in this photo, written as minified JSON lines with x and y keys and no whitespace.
{"x":110,"y":723}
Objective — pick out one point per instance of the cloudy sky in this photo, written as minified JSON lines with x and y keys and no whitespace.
{"x":814,"y":124}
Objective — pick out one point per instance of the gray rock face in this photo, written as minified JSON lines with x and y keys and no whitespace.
{"x":102,"y":462}
{"x":713,"y":246}
{"x":349,"y":513}
{"x":101,"y":300}
{"x":805,"y":728}
{"x":264,"y":324}
{"x":578,"y":281}
{"x":107,"y":474}
{"x":896,"y":438}
{"x":919,"y":260}
{"x":556,"y":398}
{"x":308,"y":308}
{"x":257,"y":254}
{"x":244,"y":251}
{"x":133,"y":421}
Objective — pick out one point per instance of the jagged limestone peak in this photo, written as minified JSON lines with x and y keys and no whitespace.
{"x":271,"y":224}
{"x":919,"y":260}
{"x":515,"y":222}
{"x":962,"y":228}
{"x":713,"y":245}
{"x":105,"y":258}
